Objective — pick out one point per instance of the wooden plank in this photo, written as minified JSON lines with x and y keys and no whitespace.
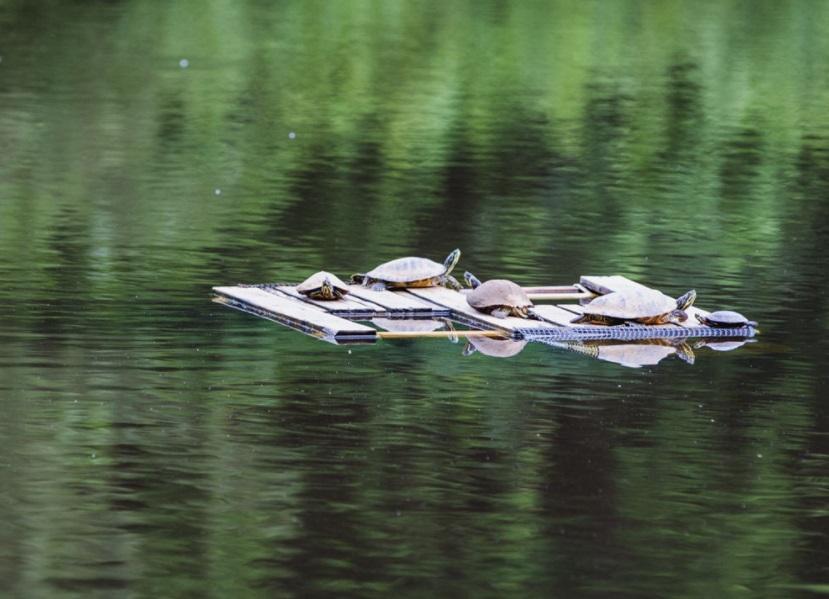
{"x":607,"y":284}
{"x":300,"y":315}
{"x":395,"y":301}
{"x":553,"y":289}
{"x":692,"y":321}
{"x":558,"y":315}
{"x":348,"y":305}
{"x":463,"y":312}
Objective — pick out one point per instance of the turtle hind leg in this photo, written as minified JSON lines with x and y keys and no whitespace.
{"x":595,"y":319}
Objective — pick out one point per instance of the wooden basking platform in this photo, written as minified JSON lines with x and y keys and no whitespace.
{"x":348,"y":320}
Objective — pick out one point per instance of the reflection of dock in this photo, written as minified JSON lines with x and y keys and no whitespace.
{"x":337,"y":321}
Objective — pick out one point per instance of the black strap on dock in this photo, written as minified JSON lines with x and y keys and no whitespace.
{"x":630,"y":333}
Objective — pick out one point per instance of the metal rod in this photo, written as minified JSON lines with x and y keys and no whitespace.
{"x":559,"y":296}
{"x":440,"y":334}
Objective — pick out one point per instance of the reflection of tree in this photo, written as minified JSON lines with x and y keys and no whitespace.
{"x":417,"y":132}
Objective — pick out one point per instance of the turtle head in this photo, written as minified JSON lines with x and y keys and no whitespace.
{"x":677,"y":316}
{"x":471,"y":280}
{"x":686,"y":300}
{"x":327,"y":289}
{"x":451,"y":260}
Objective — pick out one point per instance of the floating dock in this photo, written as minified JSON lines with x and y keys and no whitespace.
{"x":348,"y":320}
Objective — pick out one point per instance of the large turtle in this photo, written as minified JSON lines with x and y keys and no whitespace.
{"x":323,"y":285}
{"x":411,"y":272}
{"x":499,"y":298}
{"x":642,"y":305}
{"x":725,"y":318}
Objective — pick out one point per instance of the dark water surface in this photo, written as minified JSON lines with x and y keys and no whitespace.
{"x":157,"y":444}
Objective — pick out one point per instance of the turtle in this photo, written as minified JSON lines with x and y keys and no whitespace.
{"x":725,"y":319}
{"x":641,"y":305}
{"x":411,"y":272}
{"x":323,"y":285}
{"x":499,"y":298}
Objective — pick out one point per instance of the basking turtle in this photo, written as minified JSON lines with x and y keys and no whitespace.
{"x":498,"y":297}
{"x":411,"y":272}
{"x":642,"y":305}
{"x":725,"y":319}
{"x":323,"y":286}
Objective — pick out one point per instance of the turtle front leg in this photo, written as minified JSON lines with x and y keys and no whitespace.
{"x":532,"y":314}
{"x":451,"y":282}
{"x":501,"y":312}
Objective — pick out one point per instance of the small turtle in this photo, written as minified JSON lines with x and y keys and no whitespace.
{"x":642,"y":305}
{"x":498,"y":297}
{"x":323,"y":286}
{"x":726,"y":318}
{"x":411,"y":272}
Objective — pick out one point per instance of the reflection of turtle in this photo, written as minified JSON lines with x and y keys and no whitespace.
{"x":411,"y":272}
{"x":417,"y":325}
{"x":726,"y":318}
{"x":635,"y":355}
{"x":722,"y":345}
{"x":498,"y":297}
{"x":645,"y":306}
{"x":323,"y":286}
{"x":497,"y":348}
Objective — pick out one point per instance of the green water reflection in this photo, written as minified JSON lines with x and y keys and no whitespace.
{"x":157,"y":444}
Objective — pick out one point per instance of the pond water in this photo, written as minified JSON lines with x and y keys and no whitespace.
{"x":158,"y":444}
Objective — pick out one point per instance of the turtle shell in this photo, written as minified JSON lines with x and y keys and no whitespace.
{"x":727,"y":318}
{"x":497,"y":292}
{"x":407,"y":270}
{"x":315,"y":282}
{"x":640,"y":303}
